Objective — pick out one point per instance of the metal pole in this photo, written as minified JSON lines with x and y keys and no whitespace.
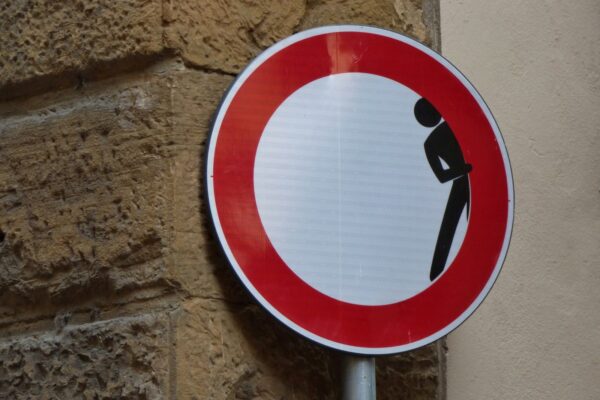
{"x":359,"y":378}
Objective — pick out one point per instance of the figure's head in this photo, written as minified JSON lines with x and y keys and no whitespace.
{"x":426,"y":113}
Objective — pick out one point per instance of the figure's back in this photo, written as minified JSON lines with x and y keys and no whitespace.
{"x":442,"y":143}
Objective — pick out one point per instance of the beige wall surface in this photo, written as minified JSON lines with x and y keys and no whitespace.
{"x":537,"y":64}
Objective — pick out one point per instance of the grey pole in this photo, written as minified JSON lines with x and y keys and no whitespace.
{"x":359,"y":378}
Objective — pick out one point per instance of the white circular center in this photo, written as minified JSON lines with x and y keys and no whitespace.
{"x":345,"y":192}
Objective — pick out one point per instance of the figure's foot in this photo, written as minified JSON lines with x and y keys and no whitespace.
{"x":435,"y":272}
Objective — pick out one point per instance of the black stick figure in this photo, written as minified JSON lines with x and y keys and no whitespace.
{"x":442,"y":145}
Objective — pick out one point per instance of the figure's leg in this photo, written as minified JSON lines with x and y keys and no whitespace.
{"x":456,"y":203}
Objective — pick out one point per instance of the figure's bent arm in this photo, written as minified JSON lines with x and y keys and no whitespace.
{"x":434,"y":162}
{"x":453,"y":173}
{"x":443,"y":175}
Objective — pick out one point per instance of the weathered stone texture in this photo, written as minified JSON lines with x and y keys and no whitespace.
{"x":196,"y":262}
{"x":82,"y":185}
{"x":246,"y":354}
{"x":45,"y":37}
{"x":402,"y":16}
{"x":100,"y":188}
{"x":225,"y":35}
{"x":126,"y":358}
{"x":76,"y":39}
{"x":416,"y":375}
{"x":102,"y":211}
{"x":205,"y":349}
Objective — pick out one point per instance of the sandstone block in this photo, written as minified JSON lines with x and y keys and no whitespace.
{"x":121,"y":358}
{"x":203,"y":349}
{"x":100,"y":188}
{"x":403,"y":16}
{"x":46,"y":38}
{"x":246,"y":354}
{"x":225,"y":35}
{"x":41,"y":39}
{"x":45,"y":43}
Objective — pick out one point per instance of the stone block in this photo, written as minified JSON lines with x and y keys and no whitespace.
{"x":47,"y":38}
{"x":245,"y":354}
{"x":202,"y":349}
{"x":225,"y":35}
{"x":196,"y":262}
{"x":100,"y":188}
{"x":124,"y":358}
{"x":415,"y":375}
{"x":238,"y":351}
{"x":403,"y":16}
{"x":48,"y":44}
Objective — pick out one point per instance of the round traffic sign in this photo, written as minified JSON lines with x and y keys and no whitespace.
{"x":360,"y":188}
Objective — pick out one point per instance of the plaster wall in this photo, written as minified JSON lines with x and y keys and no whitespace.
{"x":537,"y":66}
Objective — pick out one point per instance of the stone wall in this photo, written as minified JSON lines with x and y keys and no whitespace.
{"x":111,"y":285}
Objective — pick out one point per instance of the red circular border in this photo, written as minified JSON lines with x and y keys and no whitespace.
{"x":243,"y":123}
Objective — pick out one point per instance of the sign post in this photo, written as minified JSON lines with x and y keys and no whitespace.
{"x":358,"y":378}
{"x":360,"y":189}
